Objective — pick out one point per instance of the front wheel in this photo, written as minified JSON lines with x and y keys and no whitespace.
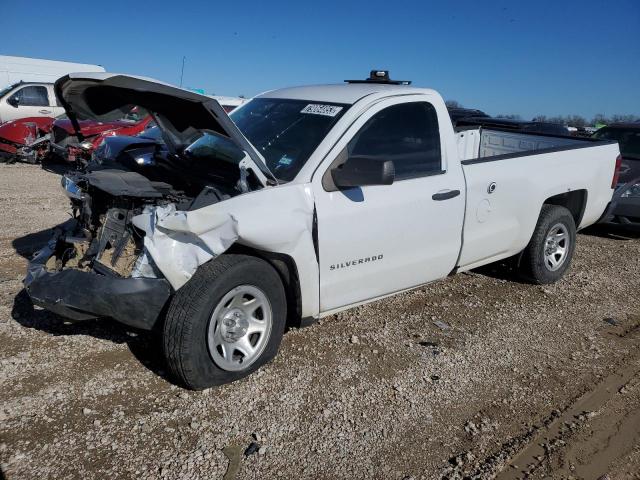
{"x":225,"y":323}
{"x":550,"y":250}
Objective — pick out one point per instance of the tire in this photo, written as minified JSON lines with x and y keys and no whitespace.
{"x":537,"y":261}
{"x":202,"y":351}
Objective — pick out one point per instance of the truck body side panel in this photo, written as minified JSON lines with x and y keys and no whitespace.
{"x":380,"y":239}
{"x":505,"y":195}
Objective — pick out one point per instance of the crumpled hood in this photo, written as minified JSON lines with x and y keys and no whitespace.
{"x":182,"y":115}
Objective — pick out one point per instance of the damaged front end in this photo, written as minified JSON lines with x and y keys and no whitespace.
{"x":140,"y":228}
{"x":133,"y":238}
{"x":95,"y":265}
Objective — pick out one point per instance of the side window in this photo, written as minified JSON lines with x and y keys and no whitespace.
{"x":408,"y":134}
{"x":32,"y":96}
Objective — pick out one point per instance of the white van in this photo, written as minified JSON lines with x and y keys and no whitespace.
{"x":23,"y":69}
{"x":26,"y":86}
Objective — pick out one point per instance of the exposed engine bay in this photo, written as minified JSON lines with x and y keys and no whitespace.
{"x":129,"y":181}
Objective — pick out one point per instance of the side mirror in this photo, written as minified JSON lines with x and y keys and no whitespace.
{"x":362,"y":171}
{"x":13,"y":101}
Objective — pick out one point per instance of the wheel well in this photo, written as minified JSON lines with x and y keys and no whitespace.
{"x":286,"y":268}
{"x":574,"y":201}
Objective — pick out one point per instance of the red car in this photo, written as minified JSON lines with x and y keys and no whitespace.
{"x":64,"y":143}
{"x":25,"y":139}
{"x":35,"y":138}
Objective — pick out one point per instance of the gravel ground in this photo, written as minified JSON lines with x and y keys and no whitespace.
{"x":476,"y":376}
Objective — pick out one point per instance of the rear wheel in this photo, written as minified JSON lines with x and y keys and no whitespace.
{"x":225,"y":323}
{"x":550,"y":250}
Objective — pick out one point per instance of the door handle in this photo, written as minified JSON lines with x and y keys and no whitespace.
{"x":44,"y":111}
{"x":446,"y":195}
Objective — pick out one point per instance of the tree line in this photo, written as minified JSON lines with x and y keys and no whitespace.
{"x":569,"y":120}
{"x":579,"y":121}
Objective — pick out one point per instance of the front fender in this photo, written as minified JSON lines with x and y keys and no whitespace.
{"x":275,"y":219}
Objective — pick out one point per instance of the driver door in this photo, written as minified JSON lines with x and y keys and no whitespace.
{"x":379,"y":239}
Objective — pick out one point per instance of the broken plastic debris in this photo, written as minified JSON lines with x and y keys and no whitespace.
{"x":442,"y":325}
{"x":251,"y":449}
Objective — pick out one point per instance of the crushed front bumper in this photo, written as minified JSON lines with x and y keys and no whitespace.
{"x":80,"y":295}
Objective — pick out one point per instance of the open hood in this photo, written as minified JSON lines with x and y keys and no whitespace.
{"x":181,"y":115}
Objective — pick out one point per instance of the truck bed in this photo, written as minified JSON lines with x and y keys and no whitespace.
{"x":478,"y":143}
{"x":510,"y":175}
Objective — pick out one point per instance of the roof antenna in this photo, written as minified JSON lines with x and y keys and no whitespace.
{"x":380,"y":76}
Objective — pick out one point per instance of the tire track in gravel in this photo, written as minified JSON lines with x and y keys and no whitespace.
{"x":552,"y":449}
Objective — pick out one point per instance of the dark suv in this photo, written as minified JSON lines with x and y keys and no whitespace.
{"x":459,"y":113}
{"x":625,"y":205}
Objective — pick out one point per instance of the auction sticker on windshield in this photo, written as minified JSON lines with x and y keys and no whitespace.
{"x":318,"y":109}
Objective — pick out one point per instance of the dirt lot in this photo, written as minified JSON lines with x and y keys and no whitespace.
{"x":476,"y":376}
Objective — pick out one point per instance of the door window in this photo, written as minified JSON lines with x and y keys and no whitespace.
{"x":407,"y":134}
{"x":32,"y":96}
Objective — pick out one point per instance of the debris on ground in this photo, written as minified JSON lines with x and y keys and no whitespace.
{"x":234,"y":455}
{"x":326,"y":407}
{"x":442,"y":325}
{"x":251,"y":449}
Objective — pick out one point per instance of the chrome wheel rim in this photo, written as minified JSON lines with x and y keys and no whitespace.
{"x":239,"y":328}
{"x":556,"y":247}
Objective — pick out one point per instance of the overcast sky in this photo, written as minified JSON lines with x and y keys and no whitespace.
{"x":527,"y":58}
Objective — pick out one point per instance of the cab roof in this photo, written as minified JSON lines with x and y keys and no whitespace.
{"x":346,"y":93}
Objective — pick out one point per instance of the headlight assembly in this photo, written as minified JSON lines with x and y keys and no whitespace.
{"x":86,"y":145}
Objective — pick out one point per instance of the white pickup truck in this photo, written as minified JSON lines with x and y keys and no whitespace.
{"x":312,"y":200}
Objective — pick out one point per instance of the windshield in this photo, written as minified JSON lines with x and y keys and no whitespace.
{"x":286,"y":132}
{"x":628,"y":138}
{"x":6,"y":89}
